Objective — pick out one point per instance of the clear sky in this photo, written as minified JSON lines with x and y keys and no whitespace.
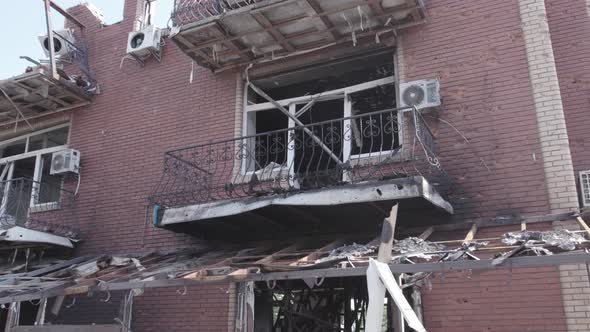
{"x":22,"y":21}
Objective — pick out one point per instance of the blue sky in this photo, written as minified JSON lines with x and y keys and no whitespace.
{"x":23,"y":21}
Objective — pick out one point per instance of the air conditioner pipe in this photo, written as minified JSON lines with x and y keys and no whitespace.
{"x":139,"y":15}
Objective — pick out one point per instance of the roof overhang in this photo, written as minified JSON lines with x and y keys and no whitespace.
{"x":19,"y":237}
{"x":326,"y":205}
{"x":272,"y":29}
{"x":36,"y":94}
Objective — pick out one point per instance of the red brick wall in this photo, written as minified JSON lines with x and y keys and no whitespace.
{"x":474,"y":47}
{"x":202,"y":308}
{"x":477,"y":50}
{"x":570,"y":27}
{"x":495,"y":301}
{"x":122,"y":135}
{"x":502,"y":300}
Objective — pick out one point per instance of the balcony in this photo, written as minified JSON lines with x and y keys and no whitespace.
{"x":222,"y":34}
{"x":351,"y":162}
{"x":33,"y":214}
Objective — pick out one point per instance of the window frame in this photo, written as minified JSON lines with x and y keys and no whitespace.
{"x":249,"y":126}
{"x":9,"y":164}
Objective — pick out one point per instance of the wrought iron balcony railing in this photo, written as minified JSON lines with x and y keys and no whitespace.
{"x":370,"y":146}
{"x":36,"y":205}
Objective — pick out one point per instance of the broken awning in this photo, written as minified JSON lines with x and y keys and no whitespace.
{"x":304,"y":258}
{"x":221,"y":35}
{"x":23,"y":237}
{"x":35,"y":94}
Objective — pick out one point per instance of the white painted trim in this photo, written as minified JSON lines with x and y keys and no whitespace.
{"x":33,"y":154}
{"x":35,"y":188}
{"x":328,"y":95}
{"x":35,"y":133}
{"x":379,"y":278}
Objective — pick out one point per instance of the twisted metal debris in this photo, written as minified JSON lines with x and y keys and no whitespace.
{"x":187,"y":11}
{"x":562,"y":239}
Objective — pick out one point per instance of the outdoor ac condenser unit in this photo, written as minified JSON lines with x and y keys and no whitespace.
{"x":422,"y":94}
{"x":63,"y":41}
{"x":585,"y":187}
{"x":144,"y":42}
{"x":65,"y":161}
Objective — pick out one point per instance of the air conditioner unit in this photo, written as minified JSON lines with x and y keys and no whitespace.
{"x":144,"y":42}
{"x":65,"y":161}
{"x":422,"y":94}
{"x":585,"y":187}
{"x":63,"y":41}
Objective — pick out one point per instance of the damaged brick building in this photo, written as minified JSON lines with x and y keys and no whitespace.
{"x":232,"y":171}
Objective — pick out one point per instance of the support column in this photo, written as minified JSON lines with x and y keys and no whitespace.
{"x":555,"y":151}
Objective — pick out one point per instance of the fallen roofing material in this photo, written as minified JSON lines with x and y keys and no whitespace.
{"x":36,"y":93}
{"x":281,"y":261}
{"x":562,"y":238}
{"x":22,"y":235}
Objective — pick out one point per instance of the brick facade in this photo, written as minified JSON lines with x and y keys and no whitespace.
{"x":485,"y":55}
{"x":557,"y":158}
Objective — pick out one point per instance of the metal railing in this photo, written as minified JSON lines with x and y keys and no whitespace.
{"x":35,"y":205}
{"x":188,"y":11}
{"x":370,"y":146}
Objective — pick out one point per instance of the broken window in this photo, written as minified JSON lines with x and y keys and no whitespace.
{"x":339,"y":111}
{"x":25,"y":177}
{"x":330,"y":304}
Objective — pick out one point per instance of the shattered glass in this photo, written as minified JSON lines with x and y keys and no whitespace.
{"x":562,"y":238}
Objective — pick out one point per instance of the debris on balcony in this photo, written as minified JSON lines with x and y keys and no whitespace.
{"x":31,"y":214}
{"x":562,"y":238}
{"x":414,"y":245}
{"x":224,"y":34}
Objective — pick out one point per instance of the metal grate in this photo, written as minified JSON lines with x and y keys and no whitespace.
{"x":585,"y":186}
{"x":361,"y":148}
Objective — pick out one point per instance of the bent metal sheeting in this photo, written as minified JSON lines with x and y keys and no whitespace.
{"x":262,"y":261}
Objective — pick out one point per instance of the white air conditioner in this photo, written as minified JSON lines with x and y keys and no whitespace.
{"x":144,"y":42}
{"x":65,"y":161}
{"x":423,"y":94}
{"x":585,"y":187}
{"x":62,"y":43}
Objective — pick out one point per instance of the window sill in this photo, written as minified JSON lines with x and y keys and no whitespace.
{"x":44,"y":207}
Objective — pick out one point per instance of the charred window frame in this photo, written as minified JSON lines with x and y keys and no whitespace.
{"x":345,"y":110}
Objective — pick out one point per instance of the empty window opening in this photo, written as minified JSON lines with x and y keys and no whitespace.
{"x":326,"y":77}
{"x":344,"y":110}
{"x":25,"y":173}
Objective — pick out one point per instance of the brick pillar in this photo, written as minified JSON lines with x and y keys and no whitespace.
{"x":555,"y":151}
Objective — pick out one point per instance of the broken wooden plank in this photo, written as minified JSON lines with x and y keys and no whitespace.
{"x":381,"y":273}
{"x":387,"y":236}
{"x":471,"y":234}
{"x":312,"y":257}
{"x":427,"y":232}
{"x":583,"y":225}
{"x":376,"y":288}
